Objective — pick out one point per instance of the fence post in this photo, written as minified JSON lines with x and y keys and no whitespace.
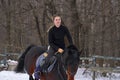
{"x":94,"y":64}
{"x":5,"y":57}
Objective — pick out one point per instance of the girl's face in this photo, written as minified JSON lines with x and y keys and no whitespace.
{"x":57,"y":21}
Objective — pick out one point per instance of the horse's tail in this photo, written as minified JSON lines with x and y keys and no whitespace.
{"x":20,"y":66}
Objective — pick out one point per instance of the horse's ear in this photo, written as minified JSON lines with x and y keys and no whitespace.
{"x":80,"y":52}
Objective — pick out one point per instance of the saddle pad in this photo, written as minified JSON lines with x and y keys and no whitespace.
{"x":41,"y":60}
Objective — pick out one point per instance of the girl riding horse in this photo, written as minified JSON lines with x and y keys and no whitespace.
{"x":64,"y":69}
{"x":56,"y":41}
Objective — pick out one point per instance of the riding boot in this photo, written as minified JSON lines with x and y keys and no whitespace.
{"x":37,"y":72}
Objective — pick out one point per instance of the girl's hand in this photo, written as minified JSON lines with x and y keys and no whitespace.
{"x":45,"y":54}
{"x":60,"y":50}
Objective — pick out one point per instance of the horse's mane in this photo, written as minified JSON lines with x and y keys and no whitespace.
{"x":72,"y":47}
{"x":72,"y":57}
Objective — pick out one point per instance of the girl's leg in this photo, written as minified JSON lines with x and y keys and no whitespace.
{"x":50,"y":52}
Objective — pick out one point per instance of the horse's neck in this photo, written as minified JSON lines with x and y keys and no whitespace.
{"x":62,"y":71}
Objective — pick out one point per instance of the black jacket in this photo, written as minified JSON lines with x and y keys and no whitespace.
{"x":56,"y":37}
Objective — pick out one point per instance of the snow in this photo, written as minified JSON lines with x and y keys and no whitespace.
{"x":12,"y":62}
{"x":10,"y":75}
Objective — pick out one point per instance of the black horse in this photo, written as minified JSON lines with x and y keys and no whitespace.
{"x":64,"y":69}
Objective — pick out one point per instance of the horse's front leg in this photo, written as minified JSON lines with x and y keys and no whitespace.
{"x":42,"y":77}
{"x":71,"y":73}
{"x":31,"y":77}
{"x":70,"y":77}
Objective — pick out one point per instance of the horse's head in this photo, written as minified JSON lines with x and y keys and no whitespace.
{"x":71,"y":60}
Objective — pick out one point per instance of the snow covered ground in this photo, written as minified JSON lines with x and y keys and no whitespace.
{"x":10,"y":75}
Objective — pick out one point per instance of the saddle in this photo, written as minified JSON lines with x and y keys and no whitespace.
{"x":46,"y":66}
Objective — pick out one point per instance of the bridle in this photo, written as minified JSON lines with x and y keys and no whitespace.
{"x":64,"y":67}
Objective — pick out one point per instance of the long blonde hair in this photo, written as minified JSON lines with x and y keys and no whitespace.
{"x":52,"y":25}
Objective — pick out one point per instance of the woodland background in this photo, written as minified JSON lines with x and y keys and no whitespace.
{"x":93,"y":24}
